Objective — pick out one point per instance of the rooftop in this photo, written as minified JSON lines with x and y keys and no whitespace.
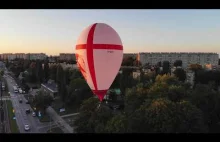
{"x":50,"y":85}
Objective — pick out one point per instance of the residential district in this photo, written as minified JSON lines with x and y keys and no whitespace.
{"x":153,"y":92}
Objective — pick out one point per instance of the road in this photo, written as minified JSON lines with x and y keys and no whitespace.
{"x":21,"y":117}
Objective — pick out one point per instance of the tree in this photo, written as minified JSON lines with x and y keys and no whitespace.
{"x":1,"y":72}
{"x":208,"y":101}
{"x":195,"y":68}
{"x":180,"y":74}
{"x":116,"y":82}
{"x":53,"y":72}
{"x":128,"y":61}
{"x":63,"y":88}
{"x":78,"y":91}
{"x":126,"y":80}
{"x":178,"y":63}
{"x":134,"y":98}
{"x":118,"y":124}
{"x":164,"y":116}
{"x":87,"y":108}
{"x":46,"y":70}
{"x":166,"y":67}
{"x":42,"y":100}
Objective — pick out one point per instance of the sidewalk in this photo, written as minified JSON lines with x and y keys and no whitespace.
{"x":66,"y":128}
{"x":67,"y":115}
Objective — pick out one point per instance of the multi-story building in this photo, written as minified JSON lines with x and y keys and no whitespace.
{"x":37,"y":56}
{"x":20,"y":55}
{"x":67,"y":56}
{"x":5,"y":56}
{"x":187,"y":58}
{"x":11,"y":57}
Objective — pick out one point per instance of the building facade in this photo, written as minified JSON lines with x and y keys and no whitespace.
{"x":67,"y":56}
{"x":187,"y":58}
{"x":37,"y":56}
{"x":50,"y":87}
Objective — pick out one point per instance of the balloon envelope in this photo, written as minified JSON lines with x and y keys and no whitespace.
{"x":99,"y":54}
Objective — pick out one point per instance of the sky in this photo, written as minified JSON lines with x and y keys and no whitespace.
{"x":56,"y":31}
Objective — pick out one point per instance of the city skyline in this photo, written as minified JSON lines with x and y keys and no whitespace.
{"x":56,"y":31}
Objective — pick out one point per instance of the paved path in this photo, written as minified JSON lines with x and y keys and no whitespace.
{"x":66,"y":128}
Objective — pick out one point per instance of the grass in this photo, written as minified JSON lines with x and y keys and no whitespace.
{"x":57,"y":103}
{"x":13,"y":124}
{"x":55,"y":130}
{"x":72,"y":120}
{"x":45,"y":118}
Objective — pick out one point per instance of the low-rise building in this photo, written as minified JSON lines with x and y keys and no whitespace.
{"x":50,"y":87}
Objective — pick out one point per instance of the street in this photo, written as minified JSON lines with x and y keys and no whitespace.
{"x":21,"y":117}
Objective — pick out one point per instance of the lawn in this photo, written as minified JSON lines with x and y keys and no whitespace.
{"x":57,"y":103}
{"x":13,"y":124}
{"x":70,"y":120}
{"x":45,"y":118}
{"x":55,"y":130}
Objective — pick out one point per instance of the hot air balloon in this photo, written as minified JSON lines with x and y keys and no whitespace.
{"x":99,"y":54}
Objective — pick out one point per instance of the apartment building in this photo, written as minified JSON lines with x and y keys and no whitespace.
{"x":187,"y":58}
{"x":67,"y":56}
{"x":37,"y":56}
{"x":5,"y":56}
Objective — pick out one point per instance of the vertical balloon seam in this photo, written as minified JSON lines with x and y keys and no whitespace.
{"x":90,"y":58}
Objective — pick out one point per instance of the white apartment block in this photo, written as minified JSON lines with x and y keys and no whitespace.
{"x":5,"y":56}
{"x":187,"y":58}
{"x":37,"y":56}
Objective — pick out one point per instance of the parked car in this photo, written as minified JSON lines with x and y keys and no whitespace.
{"x":33,"y":114}
{"x":20,"y":101}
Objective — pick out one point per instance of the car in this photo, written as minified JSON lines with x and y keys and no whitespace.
{"x":27,"y":102}
{"x":20,"y":90}
{"x":26,"y":127}
{"x":28,"y":111}
{"x":20,"y":101}
{"x":33,"y":114}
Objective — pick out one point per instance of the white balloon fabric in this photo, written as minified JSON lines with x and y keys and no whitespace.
{"x":99,"y":54}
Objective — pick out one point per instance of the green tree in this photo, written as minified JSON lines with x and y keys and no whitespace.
{"x":46,"y":70}
{"x":166,"y":67}
{"x":180,"y":74}
{"x":178,"y":63}
{"x":42,"y":101}
{"x":87,"y":108}
{"x":118,"y":124}
{"x":53,"y":73}
{"x":164,"y":116}
{"x":206,"y":99}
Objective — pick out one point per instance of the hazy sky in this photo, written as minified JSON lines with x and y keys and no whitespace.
{"x":56,"y":31}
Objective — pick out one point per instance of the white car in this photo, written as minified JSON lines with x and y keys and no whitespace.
{"x":26,"y":127}
{"x":20,"y":91}
{"x":33,"y":114}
